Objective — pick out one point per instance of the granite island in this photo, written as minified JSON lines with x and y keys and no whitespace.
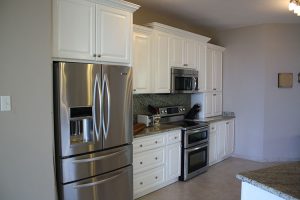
{"x":274,"y":183}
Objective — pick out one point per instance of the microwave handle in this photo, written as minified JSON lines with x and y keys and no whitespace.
{"x":195,"y":83}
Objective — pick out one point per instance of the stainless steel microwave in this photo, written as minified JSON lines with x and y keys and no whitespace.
{"x":184,"y":80}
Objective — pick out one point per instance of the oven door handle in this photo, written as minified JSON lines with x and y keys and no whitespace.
{"x":196,"y":131}
{"x":196,"y":148}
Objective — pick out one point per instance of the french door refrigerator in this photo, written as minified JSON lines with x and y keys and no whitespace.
{"x":93,"y":131}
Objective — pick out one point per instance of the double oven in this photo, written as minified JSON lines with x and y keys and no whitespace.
{"x":194,"y":159}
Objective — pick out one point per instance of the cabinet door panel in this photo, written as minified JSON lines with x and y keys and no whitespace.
{"x":191,"y":54}
{"x":162,"y":71}
{"x":173,"y":161}
{"x":221,"y":140}
{"x":141,"y":63}
{"x":74,"y":29}
{"x":208,"y":102}
{"x":229,"y":137}
{"x":217,"y":104}
{"x":209,"y":69}
{"x":212,"y":147}
{"x":177,"y":52}
{"x":113,"y":28}
{"x":217,"y":70}
{"x":202,"y":67}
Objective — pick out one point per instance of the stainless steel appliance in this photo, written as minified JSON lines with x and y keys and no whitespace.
{"x":93,"y":131}
{"x":195,"y":136}
{"x":184,"y":80}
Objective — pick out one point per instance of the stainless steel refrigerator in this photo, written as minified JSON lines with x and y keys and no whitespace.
{"x":93,"y":131}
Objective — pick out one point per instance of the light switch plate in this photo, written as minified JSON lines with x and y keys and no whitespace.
{"x":5,"y":103}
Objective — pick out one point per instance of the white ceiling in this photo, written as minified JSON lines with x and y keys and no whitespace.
{"x":226,"y":14}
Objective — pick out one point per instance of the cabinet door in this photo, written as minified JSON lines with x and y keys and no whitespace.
{"x":221,"y":140}
{"x":208,"y":104}
{"x":212,"y":146}
{"x":162,"y":71}
{"x":74,"y":29}
{"x":217,"y":104}
{"x":217,"y":70}
{"x":191,"y":54}
{"x":141,"y":63}
{"x":202,"y":67}
{"x":209,"y":69}
{"x":177,"y":51}
{"x":229,"y":137}
{"x":173,"y":161}
{"x":114,"y":34}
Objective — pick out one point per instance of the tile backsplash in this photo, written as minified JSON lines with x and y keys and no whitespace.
{"x":141,"y":102}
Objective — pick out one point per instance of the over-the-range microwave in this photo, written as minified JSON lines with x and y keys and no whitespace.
{"x":184,"y":80}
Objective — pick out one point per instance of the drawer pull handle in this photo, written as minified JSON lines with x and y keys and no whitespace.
{"x":141,"y":183}
{"x":156,"y":177}
{"x":175,"y":138}
{"x":156,"y":158}
{"x":227,"y":122}
{"x":141,"y":145}
{"x":141,"y":163}
{"x":156,"y":142}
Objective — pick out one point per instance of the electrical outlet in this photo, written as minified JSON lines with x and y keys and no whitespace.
{"x":5,"y":103}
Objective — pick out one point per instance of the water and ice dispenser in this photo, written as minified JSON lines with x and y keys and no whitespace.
{"x":81,"y":125}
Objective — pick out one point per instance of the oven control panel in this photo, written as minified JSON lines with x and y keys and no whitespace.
{"x":174,"y":110}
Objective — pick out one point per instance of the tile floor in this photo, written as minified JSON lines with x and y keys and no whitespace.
{"x":218,"y":183}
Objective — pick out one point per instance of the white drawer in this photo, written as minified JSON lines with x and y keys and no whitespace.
{"x":147,"y":143}
{"x":147,"y":160}
{"x":174,"y":137}
{"x":149,"y":179}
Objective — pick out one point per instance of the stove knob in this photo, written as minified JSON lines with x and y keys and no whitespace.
{"x":165,"y":111}
{"x":183,"y":109}
{"x":180,"y":109}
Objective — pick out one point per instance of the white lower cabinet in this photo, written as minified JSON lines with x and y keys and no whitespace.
{"x":221,"y":140}
{"x":156,"y":161}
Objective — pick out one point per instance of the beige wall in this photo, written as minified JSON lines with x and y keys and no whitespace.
{"x":146,"y":15}
{"x":267,"y":122}
{"x":26,"y":133}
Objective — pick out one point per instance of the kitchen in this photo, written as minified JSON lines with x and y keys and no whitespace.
{"x":263,"y":111}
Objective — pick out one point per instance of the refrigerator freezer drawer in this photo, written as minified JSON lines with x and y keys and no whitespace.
{"x":93,"y":164}
{"x":116,"y":185}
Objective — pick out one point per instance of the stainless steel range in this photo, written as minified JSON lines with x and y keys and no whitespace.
{"x":195,"y":136}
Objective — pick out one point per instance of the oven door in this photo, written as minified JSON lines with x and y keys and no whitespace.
{"x":184,"y":84}
{"x":195,"y":137}
{"x":195,"y":161}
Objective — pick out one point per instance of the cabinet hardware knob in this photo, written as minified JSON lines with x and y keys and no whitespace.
{"x":227,"y":122}
{"x":156,"y":177}
{"x":134,"y":90}
{"x":141,"y":145}
{"x":215,"y":89}
{"x":141,"y":183}
{"x":94,"y":55}
{"x":185,"y":64}
{"x":156,"y":142}
{"x":156,"y":158}
{"x":175,"y":138}
{"x":215,"y":94}
{"x":141,"y":163}
{"x":99,"y":56}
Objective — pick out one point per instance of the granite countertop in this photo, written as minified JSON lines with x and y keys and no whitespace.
{"x":282,"y":180}
{"x":156,"y":129}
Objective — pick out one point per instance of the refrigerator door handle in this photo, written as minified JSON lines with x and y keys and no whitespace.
{"x":98,"y":182}
{"x":107,"y":90}
{"x":99,"y":158}
{"x":94,"y":111}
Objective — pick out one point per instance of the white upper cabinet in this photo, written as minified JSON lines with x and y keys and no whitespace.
{"x":74,"y":25}
{"x":202,"y":66}
{"x":161,"y":52}
{"x":212,"y":104}
{"x":191,"y":50}
{"x":114,"y":32}
{"x":142,"y":42}
{"x":177,"y":51}
{"x":86,"y":30}
{"x":214,"y":68}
